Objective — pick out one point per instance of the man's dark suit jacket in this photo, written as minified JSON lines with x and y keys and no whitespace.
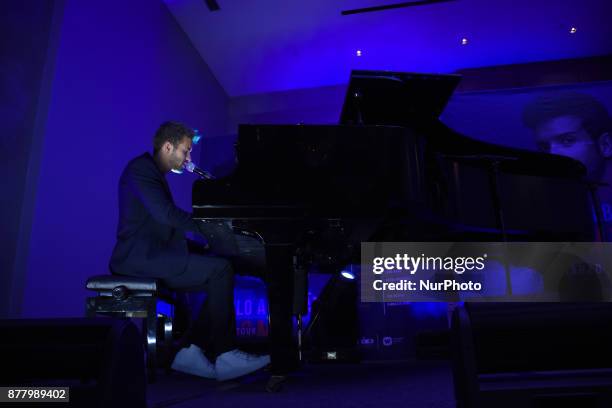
{"x":151,"y":232}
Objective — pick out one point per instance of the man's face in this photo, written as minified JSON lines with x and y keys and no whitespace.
{"x":179,"y":155}
{"x":564,"y":135}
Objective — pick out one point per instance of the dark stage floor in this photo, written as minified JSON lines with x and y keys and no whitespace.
{"x":369,"y":384}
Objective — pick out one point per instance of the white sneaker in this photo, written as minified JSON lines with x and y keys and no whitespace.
{"x":235,"y":363}
{"x":193,"y":361}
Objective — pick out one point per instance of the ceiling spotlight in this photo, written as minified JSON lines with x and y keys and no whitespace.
{"x":358,"y":53}
{"x":347,"y":275}
{"x":464,"y":41}
{"x":573,"y":30}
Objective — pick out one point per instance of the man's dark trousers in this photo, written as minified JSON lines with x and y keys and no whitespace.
{"x":214,"y":329}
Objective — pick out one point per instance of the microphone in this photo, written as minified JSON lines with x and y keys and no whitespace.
{"x":192,"y":168}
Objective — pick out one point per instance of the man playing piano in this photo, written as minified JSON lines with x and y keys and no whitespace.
{"x":151,"y":242}
{"x":578,"y":126}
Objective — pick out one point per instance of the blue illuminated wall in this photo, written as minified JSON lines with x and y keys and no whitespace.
{"x":122,"y":68}
{"x":24,"y":64}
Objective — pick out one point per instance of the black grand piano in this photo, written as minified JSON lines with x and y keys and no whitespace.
{"x":391,"y":171}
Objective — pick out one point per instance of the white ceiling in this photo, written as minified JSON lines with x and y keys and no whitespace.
{"x":256,"y":46}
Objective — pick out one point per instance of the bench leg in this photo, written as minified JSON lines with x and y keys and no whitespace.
{"x":168,"y":325}
{"x":90,"y":307}
{"x":150,"y":331}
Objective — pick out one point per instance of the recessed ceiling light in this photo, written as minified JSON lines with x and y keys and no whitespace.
{"x":573,"y":30}
{"x":358,"y":53}
{"x":464,"y":41}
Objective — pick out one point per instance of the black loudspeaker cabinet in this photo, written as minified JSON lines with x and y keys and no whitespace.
{"x":101,"y":360}
{"x":333,"y":331}
{"x":532,"y":355}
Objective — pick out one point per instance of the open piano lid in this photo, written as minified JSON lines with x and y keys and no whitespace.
{"x":395,"y":98}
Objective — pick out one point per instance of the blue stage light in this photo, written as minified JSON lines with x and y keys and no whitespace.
{"x":196,"y":136}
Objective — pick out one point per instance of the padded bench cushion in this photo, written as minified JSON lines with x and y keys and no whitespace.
{"x":109,"y":282}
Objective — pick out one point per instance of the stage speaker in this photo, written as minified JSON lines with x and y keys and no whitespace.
{"x":101,"y":360}
{"x":333,"y":330}
{"x":532,"y":355}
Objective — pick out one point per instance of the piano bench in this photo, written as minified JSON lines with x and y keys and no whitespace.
{"x":134,"y":297}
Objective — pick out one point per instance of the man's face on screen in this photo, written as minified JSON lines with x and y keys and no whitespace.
{"x":565,"y":136}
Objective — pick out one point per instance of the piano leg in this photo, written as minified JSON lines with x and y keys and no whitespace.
{"x":279,"y":279}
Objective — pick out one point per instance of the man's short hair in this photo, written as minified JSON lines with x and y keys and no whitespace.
{"x":594,"y":115}
{"x":172,"y":132}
